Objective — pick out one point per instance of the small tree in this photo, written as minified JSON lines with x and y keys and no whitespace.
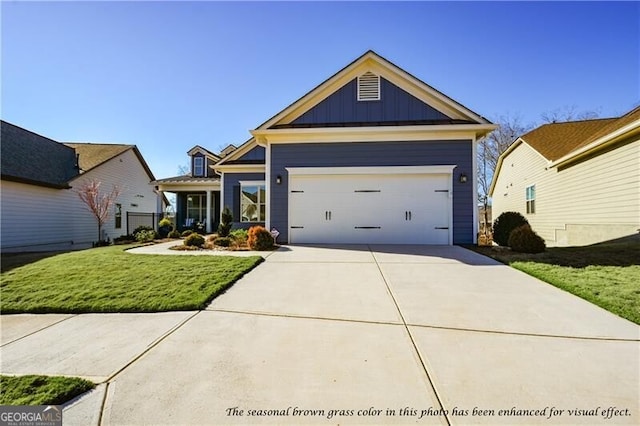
{"x":98,"y":204}
{"x":226,"y":221}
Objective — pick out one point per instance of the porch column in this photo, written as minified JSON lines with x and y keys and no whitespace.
{"x":159,"y":202}
{"x":208,"y":212}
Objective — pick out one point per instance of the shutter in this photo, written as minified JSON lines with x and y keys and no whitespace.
{"x":369,"y":87}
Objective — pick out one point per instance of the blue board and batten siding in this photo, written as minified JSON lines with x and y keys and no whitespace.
{"x":394,"y":105}
{"x":232,"y":196}
{"x":254,"y":154}
{"x":368,"y":154}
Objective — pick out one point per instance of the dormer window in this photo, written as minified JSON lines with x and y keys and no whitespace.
{"x":198,"y":166}
{"x":369,"y":87}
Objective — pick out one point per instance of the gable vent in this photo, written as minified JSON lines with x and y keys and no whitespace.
{"x":369,"y":87}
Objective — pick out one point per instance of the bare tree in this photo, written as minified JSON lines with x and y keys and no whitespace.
{"x":183,"y":170}
{"x":510,"y":127}
{"x":568,"y":113}
{"x":98,"y":204}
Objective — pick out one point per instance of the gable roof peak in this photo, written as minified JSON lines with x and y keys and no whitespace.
{"x":372,"y":61}
{"x":198,"y":148}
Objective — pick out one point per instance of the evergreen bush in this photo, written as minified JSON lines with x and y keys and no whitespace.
{"x":504,"y":224}
{"x":523,"y":239}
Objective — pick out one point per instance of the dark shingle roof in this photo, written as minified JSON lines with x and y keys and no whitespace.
{"x":30,"y":158}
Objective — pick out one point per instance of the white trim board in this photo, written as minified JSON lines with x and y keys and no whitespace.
{"x":387,"y":170}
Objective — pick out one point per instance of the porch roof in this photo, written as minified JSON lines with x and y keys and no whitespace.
{"x":187,"y":183}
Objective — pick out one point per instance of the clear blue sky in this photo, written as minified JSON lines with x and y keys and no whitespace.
{"x":167,"y":76}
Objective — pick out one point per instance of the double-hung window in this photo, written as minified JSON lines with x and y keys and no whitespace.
{"x":198,"y":166}
{"x":118,"y":216}
{"x":196,"y":207}
{"x":252,"y":201}
{"x":531,"y":199}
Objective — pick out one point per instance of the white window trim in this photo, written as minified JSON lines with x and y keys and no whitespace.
{"x":260,"y":202}
{"x":527,"y":199}
{"x":195,"y":166}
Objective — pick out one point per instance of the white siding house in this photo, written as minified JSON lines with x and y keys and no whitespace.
{"x":40,"y":210}
{"x":577,"y":183}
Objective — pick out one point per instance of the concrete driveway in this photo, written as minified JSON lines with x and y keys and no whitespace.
{"x":349,"y":335}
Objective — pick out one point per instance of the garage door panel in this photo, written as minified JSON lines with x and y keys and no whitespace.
{"x":369,"y":209}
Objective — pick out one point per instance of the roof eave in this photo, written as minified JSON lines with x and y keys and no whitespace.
{"x":375,"y":133}
{"x":237,"y":153}
{"x":19,"y":179}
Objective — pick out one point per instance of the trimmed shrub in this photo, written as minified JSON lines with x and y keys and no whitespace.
{"x":523,"y":239}
{"x":124,"y":239}
{"x":164,"y":227}
{"x":102,"y":243}
{"x":504,"y":224}
{"x":226,"y":219}
{"x":174,"y":234}
{"x":194,"y":240}
{"x":145,"y":236}
{"x":141,"y":228}
{"x":223,"y":241}
{"x":239,"y":236}
{"x":186,"y":233}
{"x":165,"y":221}
{"x":258,"y":238}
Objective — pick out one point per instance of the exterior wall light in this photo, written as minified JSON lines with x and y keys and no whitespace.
{"x":463,"y":178}
{"x":278,"y":179}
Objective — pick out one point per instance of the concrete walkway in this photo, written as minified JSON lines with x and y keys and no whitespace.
{"x":348,"y":335}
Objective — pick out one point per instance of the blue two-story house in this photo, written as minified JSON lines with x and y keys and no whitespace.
{"x":371,"y":155}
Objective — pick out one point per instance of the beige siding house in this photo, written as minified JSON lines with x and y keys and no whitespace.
{"x":577,"y":183}
{"x":40,"y":211}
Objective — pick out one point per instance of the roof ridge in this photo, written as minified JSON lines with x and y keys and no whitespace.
{"x":99,"y":143}
{"x":581,"y":121}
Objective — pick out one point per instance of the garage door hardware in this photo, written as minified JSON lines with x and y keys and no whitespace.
{"x":297,"y":227}
{"x":441,"y":227}
{"x":441,"y":190}
{"x":407,"y":215}
{"x":327,"y":215}
{"x":367,"y":227}
{"x":297,"y":192}
{"x":367,"y":190}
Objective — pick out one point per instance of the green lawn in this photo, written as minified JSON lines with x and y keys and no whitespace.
{"x":607,"y":275}
{"x":41,"y":390}
{"x":108,"y":279}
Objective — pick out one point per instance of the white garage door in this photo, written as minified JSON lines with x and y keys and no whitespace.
{"x":385,"y":205}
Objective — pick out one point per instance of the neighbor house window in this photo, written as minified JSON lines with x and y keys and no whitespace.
{"x":531,"y":199}
{"x":252,"y":201}
{"x":196,"y":207}
{"x":118,"y":216}
{"x":198,"y":166}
